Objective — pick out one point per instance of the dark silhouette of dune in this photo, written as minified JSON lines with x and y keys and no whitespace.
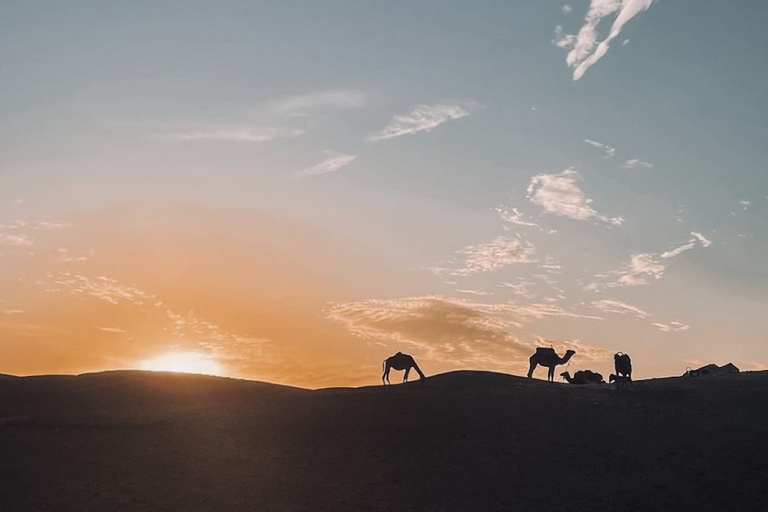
{"x":466,"y":440}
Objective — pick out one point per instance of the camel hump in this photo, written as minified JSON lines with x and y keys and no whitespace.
{"x":545,"y":351}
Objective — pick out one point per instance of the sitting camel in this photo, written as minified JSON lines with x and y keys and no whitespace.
{"x":583,"y":377}
{"x":546,"y":356}
{"x":400,"y":361}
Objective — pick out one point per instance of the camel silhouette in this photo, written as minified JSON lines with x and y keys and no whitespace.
{"x":583,"y":377}
{"x":400,"y":361}
{"x":623,"y":365}
{"x":545,"y":356}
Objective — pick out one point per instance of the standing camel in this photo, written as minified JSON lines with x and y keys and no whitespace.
{"x":400,"y":361}
{"x":623,"y":365}
{"x":548,"y":357}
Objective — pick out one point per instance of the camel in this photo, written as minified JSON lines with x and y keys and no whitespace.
{"x":583,"y":377}
{"x":400,"y":361}
{"x":623,"y":365}
{"x":545,"y":356}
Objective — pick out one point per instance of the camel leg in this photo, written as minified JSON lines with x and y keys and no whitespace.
{"x":531,"y":368}
{"x":385,"y":376}
{"x":407,"y":371}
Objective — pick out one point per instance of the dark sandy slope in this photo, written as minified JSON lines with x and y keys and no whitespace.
{"x":467,"y":441}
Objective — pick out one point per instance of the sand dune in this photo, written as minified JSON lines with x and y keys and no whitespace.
{"x":465,"y":441}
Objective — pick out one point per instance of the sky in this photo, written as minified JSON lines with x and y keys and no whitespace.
{"x":292,"y":191}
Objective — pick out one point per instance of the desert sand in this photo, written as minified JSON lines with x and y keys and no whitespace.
{"x":464,"y":441}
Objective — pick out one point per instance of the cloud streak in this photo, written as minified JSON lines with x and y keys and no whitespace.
{"x":302,"y":105}
{"x":608,"y":150}
{"x":333,"y":162}
{"x":619,"y":307}
{"x":634,"y":163}
{"x":584,"y":50}
{"x":423,"y":118}
{"x":236,"y":134}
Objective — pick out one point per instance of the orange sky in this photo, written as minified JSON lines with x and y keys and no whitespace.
{"x":265,"y":298}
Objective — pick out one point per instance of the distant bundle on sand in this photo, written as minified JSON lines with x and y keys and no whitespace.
{"x":711,"y":369}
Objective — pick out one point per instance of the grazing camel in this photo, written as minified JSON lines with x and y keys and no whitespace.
{"x":400,"y":361}
{"x":623,"y":365}
{"x":545,"y":356}
{"x":583,"y":377}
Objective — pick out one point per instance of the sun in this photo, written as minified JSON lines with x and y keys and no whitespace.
{"x":183,"y":362}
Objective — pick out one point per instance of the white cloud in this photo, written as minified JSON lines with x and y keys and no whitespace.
{"x":702,"y":239}
{"x":15,"y":239}
{"x":115,"y":330}
{"x":236,"y":134}
{"x":19,"y":233}
{"x":424,"y":118}
{"x":671,"y":327}
{"x":608,"y":150}
{"x":302,"y":105}
{"x":562,"y":40}
{"x":566,"y":9}
{"x":584,"y":48}
{"x":635,"y":163}
{"x":513,"y":216}
{"x":559,"y":194}
{"x":641,"y":267}
{"x":697,"y":237}
{"x":333,"y":162}
{"x":491,"y":256}
{"x":619,"y":307}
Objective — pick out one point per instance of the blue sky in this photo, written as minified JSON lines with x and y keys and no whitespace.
{"x":484,"y":178}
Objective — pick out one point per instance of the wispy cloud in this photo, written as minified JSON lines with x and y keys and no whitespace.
{"x":619,"y":307}
{"x":584,"y":48}
{"x":640,"y":268}
{"x":697,"y":237}
{"x":559,"y":194}
{"x":302,"y":105}
{"x":235,"y":134}
{"x":491,"y":256}
{"x":566,"y":9}
{"x":456,"y":330}
{"x":15,"y":239}
{"x":702,"y":239}
{"x":424,"y":118}
{"x":514,"y":216}
{"x":21,"y":233}
{"x":671,"y":327}
{"x":645,"y":266}
{"x":114,"y":330}
{"x":608,"y":150}
{"x":635,"y":163}
{"x":333,"y":162}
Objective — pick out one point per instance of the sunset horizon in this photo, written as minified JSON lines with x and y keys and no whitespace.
{"x":292,"y":195}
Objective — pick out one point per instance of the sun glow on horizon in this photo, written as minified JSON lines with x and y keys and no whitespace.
{"x":183,"y":362}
